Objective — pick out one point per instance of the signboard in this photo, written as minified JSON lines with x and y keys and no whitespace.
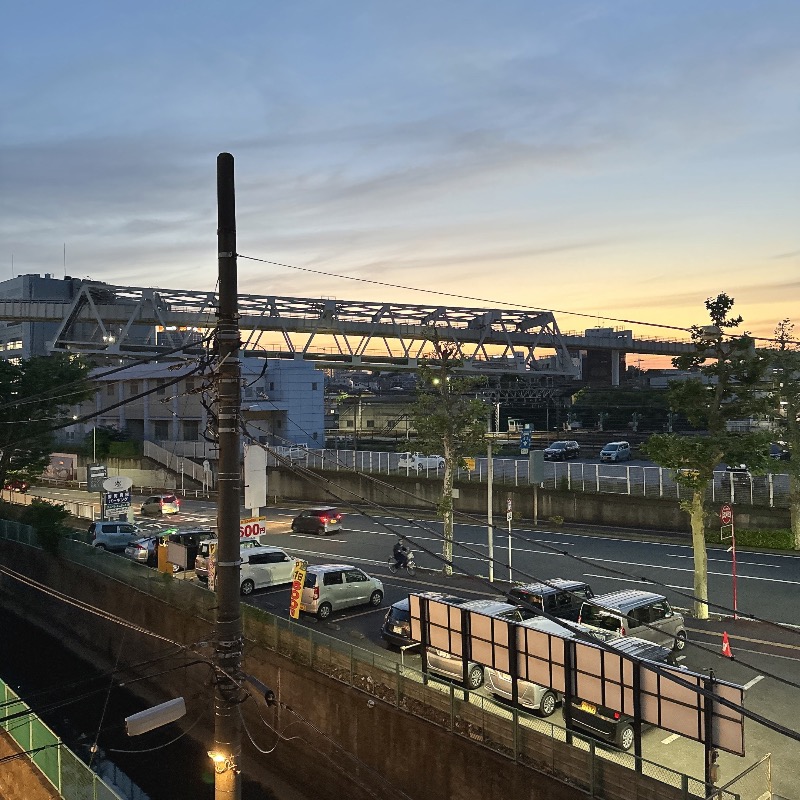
{"x":252,"y":527}
{"x":470,"y":462}
{"x":255,"y":477}
{"x":117,"y":483}
{"x":726,"y":515}
{"x":95,"y":475}
{"x":117,"y":503}
{"x":212,"y":566}
{"x":298,"y":581}
{"x":524,"y":443}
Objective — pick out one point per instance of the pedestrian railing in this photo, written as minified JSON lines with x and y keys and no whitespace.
{"x":743,"y":488}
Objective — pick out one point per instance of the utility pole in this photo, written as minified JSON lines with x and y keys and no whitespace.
{"x":228,"y":632}
{"x":489,"y":499}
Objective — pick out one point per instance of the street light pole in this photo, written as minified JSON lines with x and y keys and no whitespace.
{"x":228,"y":631}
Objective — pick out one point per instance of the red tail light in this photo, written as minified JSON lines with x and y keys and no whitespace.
{"x":316,"y":592}
{"x":323,"y":520}
{"x":622,"y":631}
{"x":338,"y":516}
{"x":617,"y":715}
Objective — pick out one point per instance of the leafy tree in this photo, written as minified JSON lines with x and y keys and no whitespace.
{"x":724,"y":390}
{"x":35,"y":396}
{"x":449,"y":421}
{"x":49,"y":521}
{"x":784,"y":362}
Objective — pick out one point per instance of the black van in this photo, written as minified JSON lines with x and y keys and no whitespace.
{"x":559,"y":597}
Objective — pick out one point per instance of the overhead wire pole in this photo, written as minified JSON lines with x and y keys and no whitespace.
{"x":228,"y":632}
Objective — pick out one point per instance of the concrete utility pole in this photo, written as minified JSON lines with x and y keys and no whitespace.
{"x":228,"y":638}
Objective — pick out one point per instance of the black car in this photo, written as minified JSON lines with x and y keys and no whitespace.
{"x":779,"y":451}
{"x":320,"y":519}
{"x":559,"y":597}
{"x":562,"y":450}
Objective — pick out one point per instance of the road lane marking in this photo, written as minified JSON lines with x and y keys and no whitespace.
{"x":306,"y":536}
{"x":670,"y":739}
{"x":728,"y":561}
{"x":750,"y":684}
{"x":737,"y":637}
{"x":353,"y":616}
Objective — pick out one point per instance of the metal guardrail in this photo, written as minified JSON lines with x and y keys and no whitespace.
{"x":771,"y":489}
{"x":513,"y":733}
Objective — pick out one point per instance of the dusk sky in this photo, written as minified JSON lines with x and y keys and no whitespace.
{"x":625,"y":160}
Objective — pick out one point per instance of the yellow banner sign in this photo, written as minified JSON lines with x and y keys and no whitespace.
{"x":470,"y":462}
{"x":298,"y":581}
{"x":252,"y":527}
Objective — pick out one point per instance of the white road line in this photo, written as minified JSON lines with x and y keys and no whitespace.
{"x":670,"y":739}
{"x":739,"y":562}
{"x":326,"y":539}
{"x":353,"y":616}
{"x":680,"y":658}
{"x":750,"y":684}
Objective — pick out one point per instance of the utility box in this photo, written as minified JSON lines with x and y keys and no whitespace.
{"x":163,"y":563}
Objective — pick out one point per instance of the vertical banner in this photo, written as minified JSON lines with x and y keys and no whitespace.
{"x":298,"y":581}
{"x":212,"y":566}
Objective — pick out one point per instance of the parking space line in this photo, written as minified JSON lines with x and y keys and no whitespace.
{"x":670,"y":739}
{"x":753,"y":682}
{"x":363,"y":613}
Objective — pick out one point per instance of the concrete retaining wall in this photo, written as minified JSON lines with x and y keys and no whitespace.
{"x":575,"y":507}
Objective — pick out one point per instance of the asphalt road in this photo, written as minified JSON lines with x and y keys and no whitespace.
{"x":767,"y":588}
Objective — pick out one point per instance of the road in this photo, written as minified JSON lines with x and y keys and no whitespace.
{"x":767,"y":588}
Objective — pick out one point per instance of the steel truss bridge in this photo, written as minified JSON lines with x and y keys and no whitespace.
{"x":109,"y":320}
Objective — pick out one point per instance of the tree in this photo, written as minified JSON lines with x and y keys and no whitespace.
{"x":725,"y":389}
{"x":35,"y":396}
{"x":784,"y":362}
{"x":450,"y":421}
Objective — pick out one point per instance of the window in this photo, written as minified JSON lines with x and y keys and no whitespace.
{"x":161,"y":429}
{"x":278,"y":423}
{"x":314,"y":386}
{"x":272,"y":387}
{"x":191,"y":430}
{"x":134,"y":385}
{"x":189,"y":384}
{"x":331,"y":579}
{"x":348,"y":423}
{"x":161,"y":389}
{"x":355,"y":576}
{"x":370,"y":423}
{"x":660,"y":611}
{"x":110,"y":389}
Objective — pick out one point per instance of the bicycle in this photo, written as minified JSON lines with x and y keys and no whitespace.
{"x":410,"y":565}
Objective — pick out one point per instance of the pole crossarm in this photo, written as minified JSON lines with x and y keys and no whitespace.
{"x":118,"y":320}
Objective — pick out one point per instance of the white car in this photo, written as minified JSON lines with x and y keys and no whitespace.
{"x":419,"y":461}
{"x":264,"y":566}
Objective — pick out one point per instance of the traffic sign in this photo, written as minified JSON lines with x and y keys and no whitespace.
{"x":726,"y":515}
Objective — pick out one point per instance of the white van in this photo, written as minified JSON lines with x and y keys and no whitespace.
{"x":264,"y":566}
{"x":419,"y":461}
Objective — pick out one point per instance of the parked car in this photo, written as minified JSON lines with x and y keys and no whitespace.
{"x":450,"y":665}
{"x":419,"y":461}
{"x":264,"y":566}
{"x":616,"y":452}
{"x":396,"y":628}
{"x":558,"y":597}
{"x":562,"y":450}
{"x":144,"y":550}
{"x":191,"y":540}
{"x":16,"y":485}
{"x":606,"y":723}
{"x":204,"y":548}
{"x":331,"y":587}
{"x":321,"y":519}
{"x":780,"y":451}
{"x":541,"y":699}
{"x":632,"y":611}
{"x":161,"y":504}
{"x":113,"y":536}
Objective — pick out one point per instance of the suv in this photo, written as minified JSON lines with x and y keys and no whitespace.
{"x":561,"y":451}
{"x":264,"y":566}
{"x":329,"y":587}
{"x":542,"y":699}
{"x":113,"y":536}
{"x":203,"y":550}
{"x":419,"y":461}
{"x":558,"y":597}
{"x":644,"y":614}
{"x":450,"y":665}
{"x":322,"y":519}
{"x":606,"y":723}
{"x":616,"y":451}
{"x":161,"y":504}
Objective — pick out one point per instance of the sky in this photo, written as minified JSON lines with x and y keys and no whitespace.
{"x":616,"y":161}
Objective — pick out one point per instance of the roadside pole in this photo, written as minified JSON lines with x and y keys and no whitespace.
{"x":489,"y":522}
{"x":228,"y":631}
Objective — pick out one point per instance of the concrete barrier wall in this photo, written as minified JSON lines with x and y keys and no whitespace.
{"x":359,"y":743}
{"x":575,"y":507}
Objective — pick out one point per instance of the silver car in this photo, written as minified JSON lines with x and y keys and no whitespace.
{"x":448,"y":665}
{"x":330,"y":587}
{"x":542,"y":699}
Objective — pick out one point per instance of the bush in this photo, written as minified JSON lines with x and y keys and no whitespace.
{"x":557,"y":519}
{"x":124,"y":449}
{"x":49,"y":522}
{"x":780,"y":539}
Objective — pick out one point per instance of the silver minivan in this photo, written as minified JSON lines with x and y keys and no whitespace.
{"x":531,"y":695}
{"x":632,"y":612}
{"x":264,"y":566}
{"x":616,"y":452}
{"x":330,"y":587}
{"x":440,"y":662}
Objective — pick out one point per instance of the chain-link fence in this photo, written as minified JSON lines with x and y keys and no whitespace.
{"x":755,"y":783}
{"x":70,"y":776}
{"x":741,"y":487}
